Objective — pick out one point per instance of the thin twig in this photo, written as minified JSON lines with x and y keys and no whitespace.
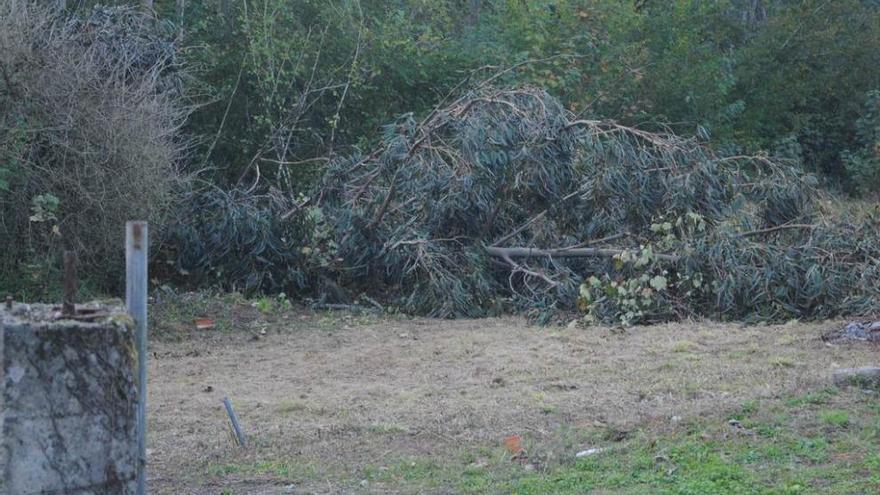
{"x":778,"y":227}
{"x":225,"y":115}
{"x":520,"y":228}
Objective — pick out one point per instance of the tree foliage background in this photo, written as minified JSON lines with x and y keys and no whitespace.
{"x":281,"y":92}
{"x":290,"y":81}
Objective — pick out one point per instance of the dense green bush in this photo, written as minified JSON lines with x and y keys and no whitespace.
{"x":754,"y":75}
{"x":293,"y":82}
{"x":805,"y":74}
{"x":286,"y":84}
{"x":863,"y":164}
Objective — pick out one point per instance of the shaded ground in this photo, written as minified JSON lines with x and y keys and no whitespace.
{"x":337,"y":403}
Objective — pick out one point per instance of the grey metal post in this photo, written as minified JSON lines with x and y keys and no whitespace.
{"x":236,"y":426}
{"x":136,"y":244}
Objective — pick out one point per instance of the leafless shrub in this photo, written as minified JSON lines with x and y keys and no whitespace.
{"x":89,"y":121}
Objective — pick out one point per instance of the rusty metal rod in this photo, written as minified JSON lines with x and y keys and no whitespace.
{"x":68,"y":282}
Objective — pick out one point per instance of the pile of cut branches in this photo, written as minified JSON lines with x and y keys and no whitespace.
{"x":502,"y":200}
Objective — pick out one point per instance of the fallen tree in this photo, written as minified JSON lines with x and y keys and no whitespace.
{"x":501,"y":200}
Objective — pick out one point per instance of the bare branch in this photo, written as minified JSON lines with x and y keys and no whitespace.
{"x":527,"y":252}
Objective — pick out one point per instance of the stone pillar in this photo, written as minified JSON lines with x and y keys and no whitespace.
{"x":69,"y":401}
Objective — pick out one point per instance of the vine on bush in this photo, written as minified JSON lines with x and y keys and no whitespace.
{"x":642,"y":288}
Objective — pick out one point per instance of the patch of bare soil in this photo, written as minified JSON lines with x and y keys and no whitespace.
{"x":322,"y":398}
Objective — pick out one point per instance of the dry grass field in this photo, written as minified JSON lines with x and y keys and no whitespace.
{"x":343,"y":403}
